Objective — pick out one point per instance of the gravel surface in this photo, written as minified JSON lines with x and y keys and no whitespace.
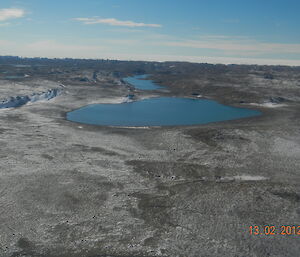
{"x":74,"y":190}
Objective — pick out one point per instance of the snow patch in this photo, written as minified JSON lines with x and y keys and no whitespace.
{"x":268,"y":105}
{"x":249,"y":178}
{"x":133,"y":127}
{"x":18,"y":101}
{"x":115,"y":100}
{"x":242,"y":178}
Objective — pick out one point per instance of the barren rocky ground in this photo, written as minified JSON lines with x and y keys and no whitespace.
{"x":75,"y":190}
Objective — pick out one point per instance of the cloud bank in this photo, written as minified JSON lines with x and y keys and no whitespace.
{"x":54,"y":49}
{"x":236,"y":46}
{"x":115,"y":22}
{"x":11,"y":13}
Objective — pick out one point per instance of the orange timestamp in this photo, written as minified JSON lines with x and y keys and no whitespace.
{"x":274,"y":230}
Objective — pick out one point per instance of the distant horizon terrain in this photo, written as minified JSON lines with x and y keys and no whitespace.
{"x":24,"y":58}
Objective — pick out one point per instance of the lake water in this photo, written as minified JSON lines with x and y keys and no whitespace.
{"x":141,"y":82}
{"x":161,"y":111}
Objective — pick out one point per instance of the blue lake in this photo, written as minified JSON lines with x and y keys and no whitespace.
{"x":161,"y":111}
{"x":141,"y":82}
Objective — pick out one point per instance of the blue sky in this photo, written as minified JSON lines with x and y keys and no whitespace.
{"x":215,"y":31}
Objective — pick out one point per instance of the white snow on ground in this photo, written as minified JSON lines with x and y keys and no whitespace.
{"x":268,"y":105}
{"x":249,"y":178}
{"x":114,"y":100}
{"x":133,"y":127}
{"x":9,"y":88}
{"x":18,"y":101}
{"x":120,"y":100}
{"x":243,"y":178}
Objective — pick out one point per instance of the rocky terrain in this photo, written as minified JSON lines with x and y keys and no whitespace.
{"x":75,"y":190}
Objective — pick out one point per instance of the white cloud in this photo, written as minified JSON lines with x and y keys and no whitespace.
{"x":4,"y":42}
{"x":218,"y":60}
{"x":11,"y":13}
{"x":4,"y":24}
{"x":115,"y":22}
{"x":236,"y":45}
{"x":56,"y":49}
{"x":50,"y":48}
{"x":126,"y":30}
{"x":107,"y":50}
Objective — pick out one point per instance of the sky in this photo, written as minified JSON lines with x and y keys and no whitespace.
{"x":212,"y":31}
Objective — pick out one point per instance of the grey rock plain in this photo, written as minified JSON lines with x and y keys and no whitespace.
{"x":76,"y":190}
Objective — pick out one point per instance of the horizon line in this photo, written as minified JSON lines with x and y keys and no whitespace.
{"x":296,"y":62}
